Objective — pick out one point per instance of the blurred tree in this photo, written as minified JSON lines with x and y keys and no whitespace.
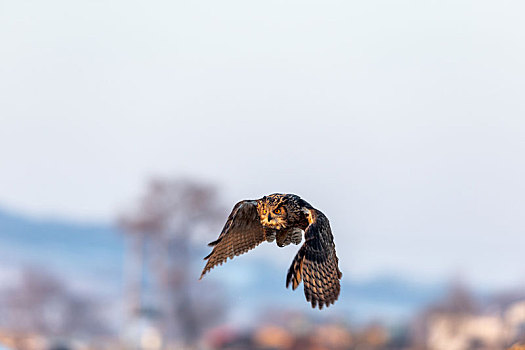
{"x":163,"y":228}
{"x":458,"y":300}
{"x":42,"y":304}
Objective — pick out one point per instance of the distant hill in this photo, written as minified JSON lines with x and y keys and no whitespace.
{"x":91,"y":257}
{"x":79,"y":252}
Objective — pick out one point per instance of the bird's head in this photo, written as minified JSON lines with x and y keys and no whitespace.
{"x":273,"y":211}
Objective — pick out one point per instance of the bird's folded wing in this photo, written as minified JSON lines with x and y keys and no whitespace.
{"x":316,"y":263}
{"x":242,"y":232}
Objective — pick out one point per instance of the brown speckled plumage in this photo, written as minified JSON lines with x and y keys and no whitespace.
{"x":283,"y":218}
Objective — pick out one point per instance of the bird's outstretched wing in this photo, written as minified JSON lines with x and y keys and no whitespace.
{"x":316,"y":263}
{"x":242,"y":232}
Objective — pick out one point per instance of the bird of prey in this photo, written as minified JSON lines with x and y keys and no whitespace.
{"x":283,"y":218}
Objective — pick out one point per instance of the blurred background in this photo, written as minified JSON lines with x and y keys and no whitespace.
{"x":129,"y":129}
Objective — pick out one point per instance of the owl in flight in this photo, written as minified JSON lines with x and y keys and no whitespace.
{"x":284,"y":218}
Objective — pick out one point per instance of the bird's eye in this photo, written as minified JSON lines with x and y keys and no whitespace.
{"x":277,"y":211}
{"x":264,"y":211}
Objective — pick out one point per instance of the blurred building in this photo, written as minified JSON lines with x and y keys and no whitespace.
{"x":461,"y":332}
{"x":515,"y":321}
{"x":324,"y":336}
{"x":488,"y":331}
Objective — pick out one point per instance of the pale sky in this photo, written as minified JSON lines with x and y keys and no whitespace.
{"x":404,"y":121}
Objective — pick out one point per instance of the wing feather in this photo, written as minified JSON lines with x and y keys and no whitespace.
{"x":242,"y":232}
{"x":316,"y":263}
